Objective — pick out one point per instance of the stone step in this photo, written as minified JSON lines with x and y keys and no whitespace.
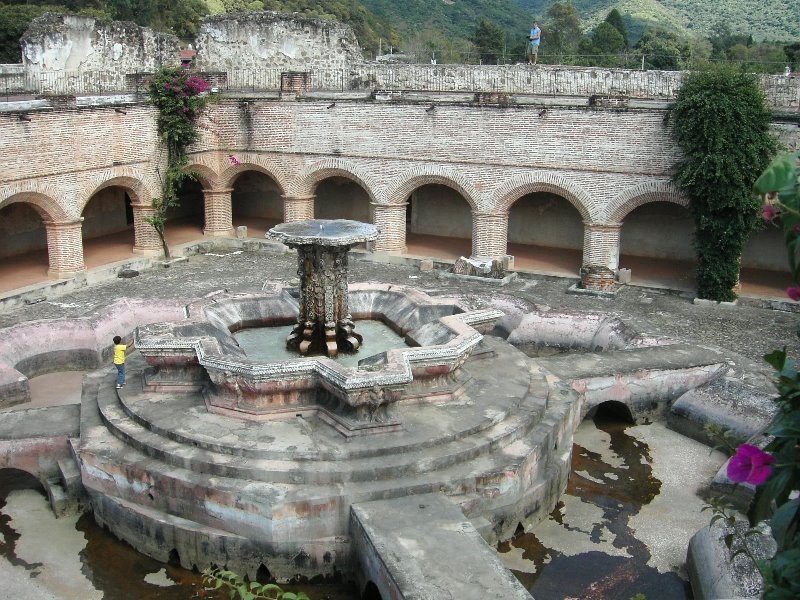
{"x":185,"y":419}
{"x":113,"y":468}
{"x":410,"y":460}
{"x":397,"y":455}
{"x":70,"y":475}
{"x":57,"y":497}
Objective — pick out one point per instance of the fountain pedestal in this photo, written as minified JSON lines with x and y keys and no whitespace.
{"x":324,"y":324}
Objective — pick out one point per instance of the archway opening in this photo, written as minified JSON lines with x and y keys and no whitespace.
{"x":107,"y":228}
{"x":438,"y":223}
{"x":612,"y":410}
{"x":342,"y":198}
{"x":545,"y":234}
{"x":256,"y":202}
{"x":23,"y":237}
{"x":765,"y":263}
{"x":656,"y":244}
{"x":185,"y":221}
{"x":371,"y":592}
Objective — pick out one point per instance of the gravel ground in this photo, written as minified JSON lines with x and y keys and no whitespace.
{"x":747,"y":331}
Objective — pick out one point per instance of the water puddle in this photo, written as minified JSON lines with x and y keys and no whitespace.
{"x":611,"y":537}
{"x":72,"y":557}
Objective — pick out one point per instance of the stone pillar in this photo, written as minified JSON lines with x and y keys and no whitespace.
{"x":64,"y":248}
{"x":145,"y":237}
{"x":219,"y":212}
{"x":489,"y":235}
{"x":601,"y":243}
{"x":298,"y":208}
{"x":390,"y":219}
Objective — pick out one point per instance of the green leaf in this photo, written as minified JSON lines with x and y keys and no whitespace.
{"x":779,"y":174}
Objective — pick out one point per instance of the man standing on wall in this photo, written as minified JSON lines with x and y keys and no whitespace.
{"x":533,"y":43}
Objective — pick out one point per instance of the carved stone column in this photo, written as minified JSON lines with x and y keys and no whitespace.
{"x":219,"y":212}
{"x":390,"y":219}
{"x":145,"y":237}
{"x":601,"y":244}
{"x":298,"y":208}
{"x":64,"y":248}
{"x":489,"y":235}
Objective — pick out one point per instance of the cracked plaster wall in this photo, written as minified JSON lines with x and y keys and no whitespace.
{"x":56,"y":42}
{"x":259,"y":40}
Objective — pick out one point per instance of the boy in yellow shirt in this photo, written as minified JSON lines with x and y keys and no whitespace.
{"x":119,"y":360}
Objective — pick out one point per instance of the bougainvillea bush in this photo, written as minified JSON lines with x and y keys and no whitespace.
{"x":775,"y":469}
{"x":180,"y":97}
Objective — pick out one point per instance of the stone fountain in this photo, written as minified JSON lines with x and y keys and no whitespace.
{"x":324,"y":324}
{"x":209,"y":456}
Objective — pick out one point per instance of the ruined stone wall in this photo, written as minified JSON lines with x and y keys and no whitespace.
{"x":56,"y":42}
{"x":259,"y":40}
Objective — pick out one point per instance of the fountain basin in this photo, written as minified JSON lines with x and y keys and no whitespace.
{"x":201,"y":354}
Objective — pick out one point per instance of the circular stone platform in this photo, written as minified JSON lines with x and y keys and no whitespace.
{"x":173,"y":479}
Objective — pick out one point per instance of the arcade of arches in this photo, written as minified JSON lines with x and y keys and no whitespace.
{"x":545,"y":231}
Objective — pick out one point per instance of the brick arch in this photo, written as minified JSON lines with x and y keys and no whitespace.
{"x":206,"y":172}
{"x":41,"y":198}
{"x":141,"y":190}
{"x":433,"y":176}
{"x":254,"y":162}
{"x":306,"y":182}
{"x":541,"y":181}
{"x":656,"y":191}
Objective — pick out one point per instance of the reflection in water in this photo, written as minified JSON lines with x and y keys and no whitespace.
{"x":11,"y":481}
{"x":619,"y":491}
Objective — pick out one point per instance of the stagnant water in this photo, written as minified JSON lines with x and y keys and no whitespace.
{"x":268,"y":344}
{"x":617,"y":519}
{"x":614,"y":534}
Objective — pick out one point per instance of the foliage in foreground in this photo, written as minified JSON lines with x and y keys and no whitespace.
{"x":237,"y":587}
{"x":722,"y":124}
{"x":775,"y":469}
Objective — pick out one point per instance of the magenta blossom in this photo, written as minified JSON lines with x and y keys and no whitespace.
{"x":768,"y":212}
{"x":793,"y":293}
{"x":750,"y":465}
{"x":233,"y":159}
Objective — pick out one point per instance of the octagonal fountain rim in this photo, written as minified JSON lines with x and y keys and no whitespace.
{"x":163,"y":344}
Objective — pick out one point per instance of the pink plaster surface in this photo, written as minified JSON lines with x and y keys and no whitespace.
{"x":27,"y":340}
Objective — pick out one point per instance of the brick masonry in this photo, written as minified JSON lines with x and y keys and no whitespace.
{"x":604,"y":161}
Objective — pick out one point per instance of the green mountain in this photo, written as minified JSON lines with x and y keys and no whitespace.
{"x":770,"y":20}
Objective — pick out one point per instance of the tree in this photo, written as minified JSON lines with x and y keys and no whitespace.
{"x":663,"y":50}
{"x":489,"y":39}
{"x":563,"y":31}
{"x":614,"y":18}
{"x":722,"y":124}
{"x":608,"y":43}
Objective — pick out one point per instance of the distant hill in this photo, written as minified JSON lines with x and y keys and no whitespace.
{"x":765,"y":20}
{"x":451,"y":17}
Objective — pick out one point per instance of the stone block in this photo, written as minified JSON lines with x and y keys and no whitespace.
{"x":241,"y":232}
{"x":624,"y":276}
{"x":426,"y":265}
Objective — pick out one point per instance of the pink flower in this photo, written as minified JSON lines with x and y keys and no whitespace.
{"x":750,"y":465}
{"x":796,"y":228}
{"x":233,"y":159}
{"x":793,"y":293}
{"x":768,"y":212}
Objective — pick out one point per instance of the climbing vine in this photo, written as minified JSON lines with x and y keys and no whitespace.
{"x":722,"y":124}
{"x":179,"y":96}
